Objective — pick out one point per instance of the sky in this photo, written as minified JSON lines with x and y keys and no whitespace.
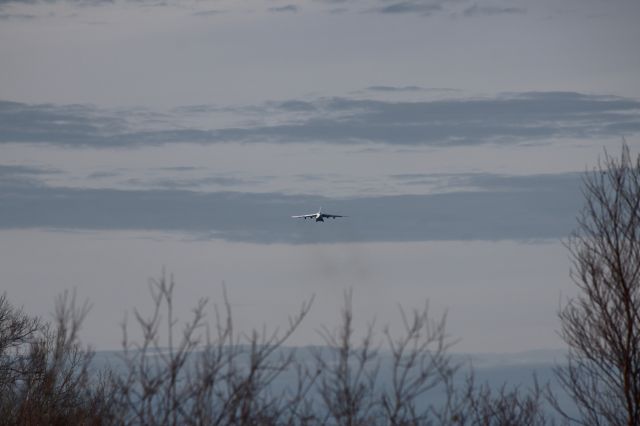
{"x":138,"y":136}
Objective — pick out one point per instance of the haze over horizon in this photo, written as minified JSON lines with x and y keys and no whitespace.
{"x":142,"y":135}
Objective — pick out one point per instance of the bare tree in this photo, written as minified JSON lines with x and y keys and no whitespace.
{"x":17,"y":330}
{"x":602,"y":324}
{"x":45,"y":372}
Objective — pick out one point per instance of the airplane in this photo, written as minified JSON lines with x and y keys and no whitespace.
{"x":319,"y":217}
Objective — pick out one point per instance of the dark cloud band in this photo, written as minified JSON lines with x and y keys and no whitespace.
{"x":518,"y":208}
{"x":524,"y":117}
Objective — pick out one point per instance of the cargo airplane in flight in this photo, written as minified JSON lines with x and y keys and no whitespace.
{"x":319,"y":217}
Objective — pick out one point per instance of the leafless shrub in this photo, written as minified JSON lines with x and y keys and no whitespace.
{"x":347,"y":384}
{"x":421,"y":362}
{"x":201,"y":377}
{"x":473,"y":404}
{"x":354,"y":387}
{"x":197,"y":373}
{"x":214,"y":376}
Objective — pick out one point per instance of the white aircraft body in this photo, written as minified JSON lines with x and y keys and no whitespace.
{"x":319,"y":217}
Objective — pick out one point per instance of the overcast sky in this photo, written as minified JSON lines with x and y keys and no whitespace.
{"x":137,"y":135}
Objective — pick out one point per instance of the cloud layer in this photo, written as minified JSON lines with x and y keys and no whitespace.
{"x":386,"y":7}
{"x":517,"y":118}
{"x":498,"y":207}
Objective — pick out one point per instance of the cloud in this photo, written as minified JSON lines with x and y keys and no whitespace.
{"x":425,"y":8}
{"x":207,"y":13}
{"x":17,"y":171}
{"x":476,"y":10}
{"x":287,"y":8}
{"x":518,"y":118}
{"x":385,"y":7}
{"x":102,"y":175}
{"x":19,"y":176}
{"x":394,"y":88}
{"x":410,"y":89}
{"x":17,"y":16}
{"x":490,"y":181}
{"x":12,"y":170}
{"x":296,"y":106}
{"x":452,"y":7}
{"x":84,"y":3}
{"x":192,"y":183}
{"x":67,"y":124}
{"x":509,"y":119}
{"x":179,"y":177}
{"x":501,"y":207}
{"x":77,"y":2}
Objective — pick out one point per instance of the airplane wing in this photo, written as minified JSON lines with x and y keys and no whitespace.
{"x":331,"y":216}
{"x":304,"y":216}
